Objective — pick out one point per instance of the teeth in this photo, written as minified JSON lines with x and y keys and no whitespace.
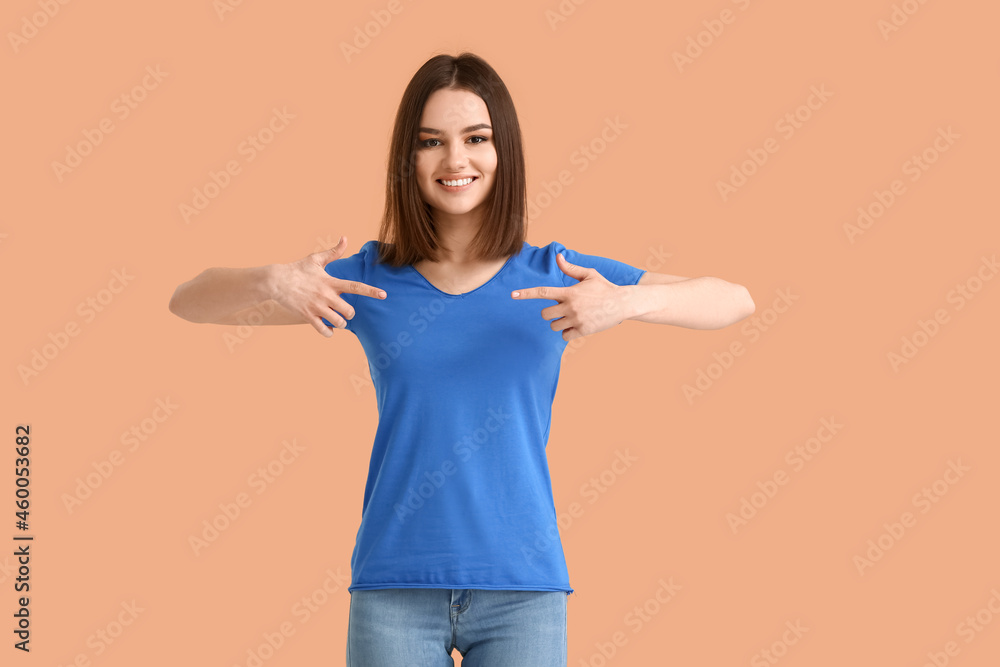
{"x":464,"y":181}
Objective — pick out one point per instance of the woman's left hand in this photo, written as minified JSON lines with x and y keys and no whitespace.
{"x":592,"y":305}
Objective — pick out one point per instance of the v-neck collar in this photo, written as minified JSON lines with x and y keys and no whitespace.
{"x":472,"y":291}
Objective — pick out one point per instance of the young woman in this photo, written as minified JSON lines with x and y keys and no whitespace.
{"x":458,"y":545}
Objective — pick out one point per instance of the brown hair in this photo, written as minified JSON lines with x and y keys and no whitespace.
{"x":407,"y":234}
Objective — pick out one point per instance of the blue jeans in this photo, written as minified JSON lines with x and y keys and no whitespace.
{"x":419,"y":627}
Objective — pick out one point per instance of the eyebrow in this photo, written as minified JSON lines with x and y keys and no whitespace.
{"x":471,"y":128}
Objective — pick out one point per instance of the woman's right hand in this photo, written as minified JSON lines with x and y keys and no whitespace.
{"x":305,"y":288}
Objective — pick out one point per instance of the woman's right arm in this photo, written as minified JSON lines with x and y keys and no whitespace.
{"x":218,"y":295}
{"x":300,"y":292}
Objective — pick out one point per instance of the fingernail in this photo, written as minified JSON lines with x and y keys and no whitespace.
{"x":516,"y":294}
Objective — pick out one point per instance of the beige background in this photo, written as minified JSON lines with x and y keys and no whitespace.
{"x":651,"y":193}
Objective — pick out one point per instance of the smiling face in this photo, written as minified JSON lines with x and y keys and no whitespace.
{"x":455,"y":143}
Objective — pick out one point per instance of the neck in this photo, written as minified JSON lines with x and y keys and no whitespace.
{"x":455,"y":233}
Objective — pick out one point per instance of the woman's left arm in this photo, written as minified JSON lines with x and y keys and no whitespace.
{"x":595,"y":303}
{"x":695,"y":303}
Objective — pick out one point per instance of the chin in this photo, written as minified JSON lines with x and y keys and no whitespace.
{"x":459,"y":210}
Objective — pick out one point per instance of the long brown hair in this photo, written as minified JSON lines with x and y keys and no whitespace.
{"x":407,"y":234}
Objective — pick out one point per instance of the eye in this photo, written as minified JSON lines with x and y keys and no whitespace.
{"x":426,"y":143}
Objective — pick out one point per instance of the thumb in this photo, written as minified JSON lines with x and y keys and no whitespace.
{"x":337,"y":250}
{"x":570,"y":269}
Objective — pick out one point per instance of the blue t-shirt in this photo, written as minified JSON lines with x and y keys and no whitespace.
{"x":458,"y":492}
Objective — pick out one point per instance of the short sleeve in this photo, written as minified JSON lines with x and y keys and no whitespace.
{"x":352,"y":267}
{"x":616,"y":272}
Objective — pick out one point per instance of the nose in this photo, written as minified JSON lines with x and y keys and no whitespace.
{"x":455,"y":158}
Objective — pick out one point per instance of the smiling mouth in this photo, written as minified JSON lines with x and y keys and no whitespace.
{"x":461,"y":184}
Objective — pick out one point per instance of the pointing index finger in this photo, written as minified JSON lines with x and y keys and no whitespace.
{"x":358,"y":287}
{"x":543,"y":292}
